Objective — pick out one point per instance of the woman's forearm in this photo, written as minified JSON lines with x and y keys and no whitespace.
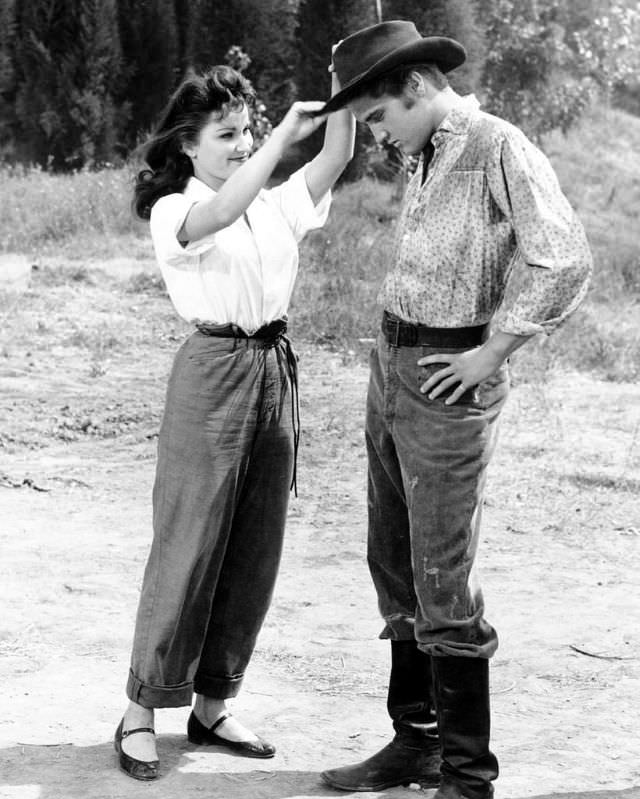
{"x":336,"y":152}
{"x":241,"y":188}
{"x":237,"y":192}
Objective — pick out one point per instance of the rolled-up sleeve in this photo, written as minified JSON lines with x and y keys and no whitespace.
{"x":167,"y":219}
{"x":296,"y":205}
{"x":553,"y":264}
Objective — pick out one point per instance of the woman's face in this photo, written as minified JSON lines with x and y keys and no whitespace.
{"x":223,"y":146}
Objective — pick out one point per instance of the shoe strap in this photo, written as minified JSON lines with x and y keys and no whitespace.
{"x":220,"y":720}
{"x":125,"y":733}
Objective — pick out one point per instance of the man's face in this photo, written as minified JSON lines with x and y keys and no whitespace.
{"x":401,"y":121}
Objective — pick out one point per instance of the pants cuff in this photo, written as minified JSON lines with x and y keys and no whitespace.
{"x":459,"y":649}
{"x":152,"y":696}
{"x":399,"y":628}
{"x":218,"y":687}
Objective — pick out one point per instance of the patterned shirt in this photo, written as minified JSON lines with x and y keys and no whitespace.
{"x":488,"y":232}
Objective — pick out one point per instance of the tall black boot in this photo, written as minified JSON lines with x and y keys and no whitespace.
{"x":414,"y":753}
{"x":410,"y":700}
{"x":461,"y":688}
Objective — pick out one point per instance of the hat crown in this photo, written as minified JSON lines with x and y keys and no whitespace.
{"x":356,"y":54}
{"x":371,"y":52}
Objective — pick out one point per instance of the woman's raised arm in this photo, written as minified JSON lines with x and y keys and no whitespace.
{"x":337,"y":150}
{"x":241,"y":188}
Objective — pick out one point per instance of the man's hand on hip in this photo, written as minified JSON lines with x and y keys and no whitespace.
{"x":464,"y":370}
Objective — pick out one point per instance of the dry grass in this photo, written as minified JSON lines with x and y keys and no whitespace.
{"x":80,"y":213}
{"x":70,"y":219}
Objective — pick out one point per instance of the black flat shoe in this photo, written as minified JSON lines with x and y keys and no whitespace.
{"x":206,"y":736}
{"x":138,"y":769}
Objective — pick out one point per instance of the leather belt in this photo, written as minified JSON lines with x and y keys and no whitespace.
{"x":400,"y":333}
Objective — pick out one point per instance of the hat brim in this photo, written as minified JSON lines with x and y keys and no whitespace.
{"x":446,"y":53}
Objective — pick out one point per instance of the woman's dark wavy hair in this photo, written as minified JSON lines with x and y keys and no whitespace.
{"x":220,"y":89}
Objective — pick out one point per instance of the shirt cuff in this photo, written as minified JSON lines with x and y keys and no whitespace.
{"x":508,"y":322}
{"x":166,"y":222}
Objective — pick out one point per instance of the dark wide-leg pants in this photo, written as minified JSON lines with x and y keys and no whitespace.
{"x":427,"y":469}
{"x":225,"y":461}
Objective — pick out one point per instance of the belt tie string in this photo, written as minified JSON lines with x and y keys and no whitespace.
{"x":292,"y":368}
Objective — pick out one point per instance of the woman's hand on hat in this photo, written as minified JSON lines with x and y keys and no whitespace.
{"x":335,"y":81}
{"x":334,"y":47}
{"x":300,"y":121}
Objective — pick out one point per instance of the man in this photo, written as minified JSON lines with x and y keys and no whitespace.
{"x":483,"y":213}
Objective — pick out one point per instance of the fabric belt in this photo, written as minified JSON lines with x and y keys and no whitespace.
{"x":271,"y":334}
{"x":274,"y":330}
{"x":400,"y":333}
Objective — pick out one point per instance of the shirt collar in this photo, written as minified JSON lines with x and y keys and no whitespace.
{"x":459,"y":119}
{"x":197,"y":189}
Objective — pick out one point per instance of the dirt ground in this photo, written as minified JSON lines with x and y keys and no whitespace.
{"x":83,"y":363}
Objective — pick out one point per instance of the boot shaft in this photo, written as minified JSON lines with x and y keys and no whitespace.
{"x":410,"y":701}
{"x":461,"y":690}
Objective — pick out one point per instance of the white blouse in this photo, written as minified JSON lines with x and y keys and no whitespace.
{"x":243,"y":274}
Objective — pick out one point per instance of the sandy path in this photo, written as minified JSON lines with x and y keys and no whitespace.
{"x":560,"y":557}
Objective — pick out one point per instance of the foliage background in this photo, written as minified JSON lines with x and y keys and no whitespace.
{"x":82,"y":81}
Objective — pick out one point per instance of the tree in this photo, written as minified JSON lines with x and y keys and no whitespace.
{"x":608,"y":46}
{"x":526,"y":56}
{"x":546,"y":62}
{"x":67,"y":64}
{"x":93,"y":108}
{"x":214,"y":27}
{"x":7,"y":75}
{"x":270,"y":40}
{"x":321,"y":24}
{"x":184,"y":11}
{"x":150,"y":48}
{"x":453,"y":18}
{"x":260,"y":123}
{"x":262,"y":28}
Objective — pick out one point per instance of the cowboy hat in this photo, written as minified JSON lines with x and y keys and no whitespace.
{"x":372,"y":51}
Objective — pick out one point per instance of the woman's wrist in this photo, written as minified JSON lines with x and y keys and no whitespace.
{"x":279,"y":138}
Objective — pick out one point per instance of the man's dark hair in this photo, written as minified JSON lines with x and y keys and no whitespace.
{"x":395,"y":81}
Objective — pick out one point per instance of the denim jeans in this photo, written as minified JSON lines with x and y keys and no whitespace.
{"x":427,"y":469}
{"x":225,"y":461}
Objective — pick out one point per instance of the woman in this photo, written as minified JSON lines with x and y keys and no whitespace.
{"x":228,"y":253}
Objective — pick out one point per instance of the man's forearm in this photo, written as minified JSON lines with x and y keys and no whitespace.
{"x":501,"y":345}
